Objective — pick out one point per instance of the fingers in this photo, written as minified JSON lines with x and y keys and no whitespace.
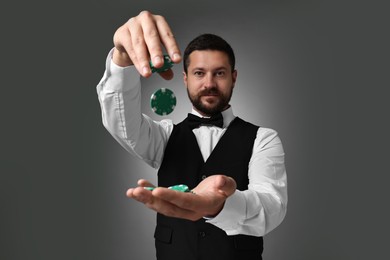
{"x":167,"y":208}
{"x":184,"y":200}
{"x":145,"y":183}
{"x":207,"y":203}
{"x":138,"y":44}
{"x":123,"y":53}
{"x":149,"y":38}
{"x":142,"y":39}
{"x":168,"y":39}
{"x":140,"y":194}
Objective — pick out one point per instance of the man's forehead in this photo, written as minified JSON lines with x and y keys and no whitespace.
{"x":208,"y":53}
{"x":208,"y":58}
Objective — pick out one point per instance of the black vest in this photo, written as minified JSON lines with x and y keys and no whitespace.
{"x":183,"y":164}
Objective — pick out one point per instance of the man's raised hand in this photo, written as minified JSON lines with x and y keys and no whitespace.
{"x":141,"y":39}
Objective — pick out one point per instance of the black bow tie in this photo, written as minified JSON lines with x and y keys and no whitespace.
{"x":195,"y":121}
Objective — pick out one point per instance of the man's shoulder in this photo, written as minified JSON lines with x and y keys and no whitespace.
{"x":180,"y":126}
{"x":262,"y":131}
{"x":181,"y":123}
{"x":239,"y":120}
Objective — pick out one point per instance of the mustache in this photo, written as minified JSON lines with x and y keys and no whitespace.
{"x":210,"y":91}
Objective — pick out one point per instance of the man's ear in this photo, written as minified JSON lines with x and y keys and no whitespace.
{"x":234,"y":76}
{"x":185,"y":79}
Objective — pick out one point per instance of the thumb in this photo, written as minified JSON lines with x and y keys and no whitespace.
{"x":226,"y":185}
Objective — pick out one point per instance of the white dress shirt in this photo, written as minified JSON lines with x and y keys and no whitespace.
{"x":255,"y":211}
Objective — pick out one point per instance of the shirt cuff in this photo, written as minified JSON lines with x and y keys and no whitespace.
{"x":232,"y":214}
{"x":120,"y":78}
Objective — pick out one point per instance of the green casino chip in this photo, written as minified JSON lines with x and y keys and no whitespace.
{"x":180,"y":187}
{"x":163,"y":101}
{"x":167,"y":65}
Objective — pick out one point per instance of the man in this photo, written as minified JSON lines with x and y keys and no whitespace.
{"x":235,"y":169}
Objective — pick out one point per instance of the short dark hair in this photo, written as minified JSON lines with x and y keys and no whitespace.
{"x":208,"y":41}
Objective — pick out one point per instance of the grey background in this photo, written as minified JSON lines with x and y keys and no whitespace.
{"x":312,"y":70}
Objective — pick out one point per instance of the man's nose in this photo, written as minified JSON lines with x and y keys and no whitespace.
{"x":209,"y":80}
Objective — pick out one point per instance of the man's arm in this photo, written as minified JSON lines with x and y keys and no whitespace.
{"x":263,"y":206}
{"x":119,"y":94}
{"x":119,"y":90}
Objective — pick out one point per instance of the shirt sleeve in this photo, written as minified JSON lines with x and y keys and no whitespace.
{"x":119,"y":93}
{"x":263,"y":206}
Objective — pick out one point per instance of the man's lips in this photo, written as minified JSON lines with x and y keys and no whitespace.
{"x":209,"y":95}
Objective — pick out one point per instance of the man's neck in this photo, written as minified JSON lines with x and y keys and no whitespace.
{"x":208,"y":115}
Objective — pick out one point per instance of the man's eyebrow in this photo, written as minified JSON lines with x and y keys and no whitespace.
{"x":221,"y":68}
{"x":202,"y":68}
{"x":197,"y":68}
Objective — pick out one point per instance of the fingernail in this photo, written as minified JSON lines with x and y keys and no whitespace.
{"x":156,"y":60}
{"x":176,"y":56}
{"x":145,"y":70}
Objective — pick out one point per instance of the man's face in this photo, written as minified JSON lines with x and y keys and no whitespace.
{"x":209,"y":81}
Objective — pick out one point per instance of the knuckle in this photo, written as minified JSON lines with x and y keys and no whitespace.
{"x":119,"y":32}
{"x":121,"y":35}
{"x":131,"y":21}
{"x":168,"y":35}
{"x":152,"y":33}
{"x":138,"y":40}
{"x":145,"y":14}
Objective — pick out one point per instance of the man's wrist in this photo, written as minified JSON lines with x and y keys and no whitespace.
{"x":211,"y":216}
{"x":233,"y":212}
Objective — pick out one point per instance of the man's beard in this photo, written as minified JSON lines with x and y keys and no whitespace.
{"x":219,"y":106}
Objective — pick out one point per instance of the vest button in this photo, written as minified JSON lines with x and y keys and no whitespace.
{"x":204,"y":177}
{"x":202,"y":234}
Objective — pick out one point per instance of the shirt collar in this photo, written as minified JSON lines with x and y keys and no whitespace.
{"x":227,"y":114}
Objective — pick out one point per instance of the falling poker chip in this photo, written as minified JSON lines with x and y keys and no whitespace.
{"x":163,"y":101}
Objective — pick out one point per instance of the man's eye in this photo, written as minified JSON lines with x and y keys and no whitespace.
{"x":220,"y":73}
{"x":198,"y":73}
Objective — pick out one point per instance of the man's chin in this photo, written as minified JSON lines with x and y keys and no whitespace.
{"x":209,"y":109}
{"x":210,"y":105}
